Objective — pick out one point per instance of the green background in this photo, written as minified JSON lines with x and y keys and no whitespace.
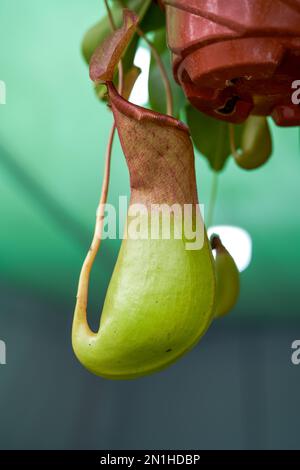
{"x":53,"y":135}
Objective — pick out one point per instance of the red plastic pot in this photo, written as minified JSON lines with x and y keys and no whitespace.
{"x":237,"y":57}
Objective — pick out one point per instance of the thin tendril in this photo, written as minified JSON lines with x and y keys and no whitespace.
{"x":162,"y":69}
{"x":212,"y":199}
{"x":82,"y":294}
{"x":110,"y":16}
{"x":215,"y":180}
{"x":83,"y":285}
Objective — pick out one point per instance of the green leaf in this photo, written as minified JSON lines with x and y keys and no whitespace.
{"x":157,"y":94}
{"x":211,"y":137}
{"x":154,"y":19}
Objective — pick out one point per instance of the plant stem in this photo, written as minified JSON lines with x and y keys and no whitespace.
{"x":110,"y":16}
{"x":162,"y":69}
{"x":83,"y":285}
{"x":105,"y":184}
{"x":215,"y":180}
{"x":212,"y":199}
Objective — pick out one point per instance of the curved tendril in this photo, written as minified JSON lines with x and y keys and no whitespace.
{"x":83,"y":285}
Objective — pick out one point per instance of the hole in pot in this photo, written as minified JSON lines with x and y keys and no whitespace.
{"x":229,"y":106}
{"x":232,"y":81}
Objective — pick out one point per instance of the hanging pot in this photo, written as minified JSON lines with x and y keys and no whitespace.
{"x":237,"y":57}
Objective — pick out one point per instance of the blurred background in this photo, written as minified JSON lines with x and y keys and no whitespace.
{"x":238,"y":389}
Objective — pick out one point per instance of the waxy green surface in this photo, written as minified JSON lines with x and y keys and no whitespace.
{"x":158,"y":305}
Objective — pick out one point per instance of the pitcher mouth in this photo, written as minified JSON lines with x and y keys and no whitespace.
{"x":139,"y":113}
